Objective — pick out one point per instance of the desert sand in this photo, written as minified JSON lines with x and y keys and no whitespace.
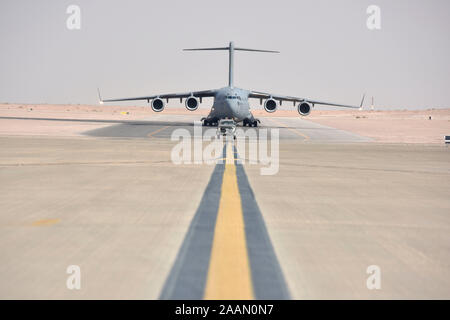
{"x":385,"y":126}
{"x":397,"y":126}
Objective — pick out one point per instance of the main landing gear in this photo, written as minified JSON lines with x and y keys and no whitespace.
{"x":210,"y":122}
{"x":250,"y":123}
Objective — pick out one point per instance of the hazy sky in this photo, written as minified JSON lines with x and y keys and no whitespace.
{"x":130,"y":48}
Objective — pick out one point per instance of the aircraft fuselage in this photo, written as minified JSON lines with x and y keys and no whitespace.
{"x":231,"y":103}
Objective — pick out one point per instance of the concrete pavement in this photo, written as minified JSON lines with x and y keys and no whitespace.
{"x":120,"y":209}
{"x":333,"y":210}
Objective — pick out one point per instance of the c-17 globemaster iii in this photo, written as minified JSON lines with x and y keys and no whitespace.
{"x":231,"y":102}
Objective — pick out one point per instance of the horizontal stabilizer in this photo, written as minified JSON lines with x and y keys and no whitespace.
{"x":231,"y":48}
{"x":201,"y":49}
{"x":256,"y":50}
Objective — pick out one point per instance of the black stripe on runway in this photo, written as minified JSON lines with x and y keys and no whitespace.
{"x":187,"y":278}
{"x":267,"y":278}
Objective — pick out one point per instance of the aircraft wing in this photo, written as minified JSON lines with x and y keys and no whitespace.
{"x":198,"y":94}
{"x":263,"y":95}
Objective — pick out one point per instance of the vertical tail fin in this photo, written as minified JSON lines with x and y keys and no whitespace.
{"x":99,"y":96}
{"x":231,"y":48}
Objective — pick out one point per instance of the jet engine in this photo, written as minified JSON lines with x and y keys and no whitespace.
{"x":304,"y":108}
{"x":192,"y":103}
{"x":270,"y":105}
{"x":157,"y":105}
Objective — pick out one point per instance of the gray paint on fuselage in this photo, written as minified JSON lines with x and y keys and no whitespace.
{"x":230,"y":102}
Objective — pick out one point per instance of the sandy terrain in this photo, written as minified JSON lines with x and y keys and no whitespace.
{"x":398,"y":126}
{"x":106,"y":112}
{"x":19,"y":126}
{"x":390,"y":126}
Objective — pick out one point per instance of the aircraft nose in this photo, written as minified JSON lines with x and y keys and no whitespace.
{"x":232,"y":106}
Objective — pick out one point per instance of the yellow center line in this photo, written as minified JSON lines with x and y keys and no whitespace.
{"x":229,"y":274}
{"x":45,"y":222}
{"x":291,"y":129}
{"x":156,"y":131}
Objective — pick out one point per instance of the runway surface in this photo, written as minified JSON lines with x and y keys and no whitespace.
{"x":161,"y":126}
{"x":227,"y":252}
{"x":140,"y":226}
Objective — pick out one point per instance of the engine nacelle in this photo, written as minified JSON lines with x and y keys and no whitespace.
{"x":270,"y":105}
{"x":304,"y":108}
{"x":158,"y":105}
{"x":192,"y":103}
